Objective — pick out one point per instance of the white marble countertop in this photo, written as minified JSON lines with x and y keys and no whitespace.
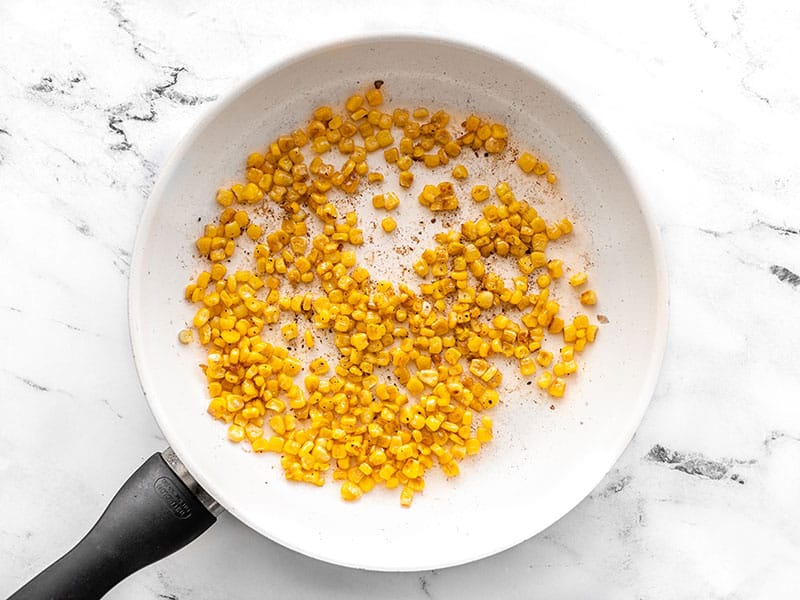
{"x":705,"y":97}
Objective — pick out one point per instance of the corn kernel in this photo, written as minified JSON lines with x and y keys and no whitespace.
{"x":388,"y":224}
{"x":578,"y":279}
{"x":460,"y":172}
{"x":480,"y":193}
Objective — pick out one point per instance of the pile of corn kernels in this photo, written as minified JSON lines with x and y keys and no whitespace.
{"x":415,"y":361}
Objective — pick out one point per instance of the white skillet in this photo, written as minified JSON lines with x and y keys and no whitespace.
{"x":542,"y":461}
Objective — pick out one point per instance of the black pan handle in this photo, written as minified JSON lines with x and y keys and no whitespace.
{"x":154,"y":514}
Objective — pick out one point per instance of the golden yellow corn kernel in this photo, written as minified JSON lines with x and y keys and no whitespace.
{"x":460,"y":172}
{"x":562,"y":368}
{"x":406,"y":179}
{"x":472,"y":446}
{"x":541,"y":168}
{"x":543,"y":280}
{"x":404,"y":163}
{"x":236,"y":433}
{"x":353,"y":103}
{"x":201,"y":317}
{"x":308,"y":338}
{"x":484,"y":299}
{"x":526,"y":162}
{"x":578,"y":279}
{"x":388,"y":224}
{"x":420,"y":113}
{"x":186,"y":336}
{"x":588,"y":298}
{"x":406,"y":495}
{"x":252,"y":193}
{"x":225,"y":198}
{"x":319,"y":366}
{"x":392,"y":201}
{"x":374,"y":97}
{"x":557,"y":387}
{"x":254,"y":231}
{"x":323,"y":113}
{"x":289,"y":331}
{"x":480,"y":193}
{"x":483,"y":434}
{"x":527,"y":366}
{"x":581,"y":321}
{"x":350,"y":491}
{"x":544,"y":380}
{"x":431,"y":160}
{"x":378,"y":201}
{"x":384,"y":138}
{"x":555,"y":268}
{"x":544,"y":358}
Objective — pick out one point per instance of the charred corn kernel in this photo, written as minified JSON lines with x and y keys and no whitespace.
{"x":588,"y":298}
{"x":480,"y":193}
{"x":388,"y":224}
{"x":186,"y":336}
{"x":460,"y":172}
{"x":578,"y":279}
